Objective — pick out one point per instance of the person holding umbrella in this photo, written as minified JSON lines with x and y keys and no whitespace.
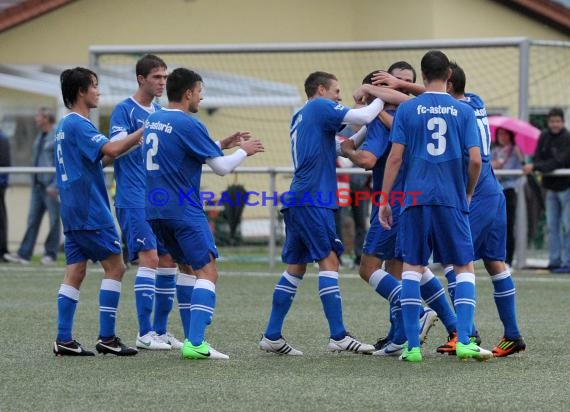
{"x":507,"y":155}
{"x":553,"y":152}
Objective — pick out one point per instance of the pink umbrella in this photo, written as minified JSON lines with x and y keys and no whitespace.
{"x":526,"y":135}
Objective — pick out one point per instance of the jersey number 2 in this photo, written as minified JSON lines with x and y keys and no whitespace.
{"x":152,"y":140}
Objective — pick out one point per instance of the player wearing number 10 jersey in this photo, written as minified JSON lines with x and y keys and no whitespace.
{"x":430,"y":137}
{"x":487,"y":219}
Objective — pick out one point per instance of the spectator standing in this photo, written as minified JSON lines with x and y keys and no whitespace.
{"x":553,"y":152}
{"x":4,"y":162}
{"x":45,"y":196}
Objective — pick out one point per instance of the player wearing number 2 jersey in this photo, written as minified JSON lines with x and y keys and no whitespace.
{"x":487,"y":219}
{"x":430,"y":137}
{"x":176,"y":145}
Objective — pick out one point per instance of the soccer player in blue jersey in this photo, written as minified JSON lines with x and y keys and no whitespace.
{"x":175,"y":147}
{"x":156,"y":275}
{"x":430,"y":136}
{"x":487,"y":219}
{"x":380,"y":244}
{"x":309,"y":212}
{"x":89,"y":227}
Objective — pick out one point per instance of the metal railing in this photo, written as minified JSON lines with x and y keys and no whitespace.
{"x":273,"y":172}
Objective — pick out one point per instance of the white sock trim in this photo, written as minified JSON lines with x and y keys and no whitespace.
{"x":501,"y":276}
{"x":412,"y":275}
{"x":329,"y":274}
{"x":186,"y":280}
{"x":377,"y":277}
{"x":447,"y":269}
{"x":426,"y":276}
{"x":205,"y":284}
{"x":69,"y":291}
{"x":166,"y":271}
{"x":148,"y":273}
{"x":111,"y":284}
{"x":465,"y":277}
{"x":292,"y":279}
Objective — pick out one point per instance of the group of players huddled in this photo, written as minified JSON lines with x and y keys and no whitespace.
{"x":435,"y":145}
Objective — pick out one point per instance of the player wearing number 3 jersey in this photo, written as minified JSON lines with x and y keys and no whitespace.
{"x":430,"y":137}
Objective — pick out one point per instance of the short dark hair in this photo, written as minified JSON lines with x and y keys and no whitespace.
{"x":74,"y":81}
{"x":402,"y":65}
{"x":435,"y":65}
{"x":148,"y":63}
{"x":47,"y":113}
{"x":457,"y":78}
{"x":316,"y":79}
{"x":179,"y":81}
{"x":555,"y":112}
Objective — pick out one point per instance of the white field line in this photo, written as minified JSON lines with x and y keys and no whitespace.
{"x":26,"y":271}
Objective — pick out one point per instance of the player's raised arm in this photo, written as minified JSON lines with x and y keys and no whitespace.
{"x":234,"y":140}
{"x":117,"y":147}
{"x":364,"y":115}
{"x":383,"y":78}
{"x":222,"y":165}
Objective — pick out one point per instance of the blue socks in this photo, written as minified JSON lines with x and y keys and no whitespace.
{"x":109,"y":295}
{"x":411,"y":301}
{"x":283,"y":296}
{"x":450,"y":276}
{"x":504,"y":295}
{"x":389,"y":288}
{"x":67,"y":299}
{"x":165,"y":289}
{"x":434,"y":296}
{"x":329,"y":293}
{"x":465,"y":299}
{"x":202,"y":310}
{"x":144,"y":297}
{"x":184,"y":288}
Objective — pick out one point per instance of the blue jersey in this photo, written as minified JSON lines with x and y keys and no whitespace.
{"x":175,"y":147}
{"x":487,"y":183}
{"x":79,"y":173}
{"x":378,"y":143}
{"x":313,"y":130}
{"x":127,"y":117}
{"x":437,"y":131}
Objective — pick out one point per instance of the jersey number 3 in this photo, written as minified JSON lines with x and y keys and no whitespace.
{"x":152,"y":140}
{"x":439,"y":128}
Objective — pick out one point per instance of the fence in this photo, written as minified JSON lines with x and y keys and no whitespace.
{"x":272,"y":207}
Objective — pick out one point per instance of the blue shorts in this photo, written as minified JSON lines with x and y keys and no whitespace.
{"x":383,"y":243}
{"x":310,"y":235}
{"x":189,"y":243}
{"x":441,"y":229}
{"x":137,"y":232}
{"x":97,"y":245}
{"x":488,"y":221}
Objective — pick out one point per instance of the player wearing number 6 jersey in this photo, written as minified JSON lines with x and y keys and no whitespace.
{"x":88,"y":225}
{"x":176,"y":145}
{"x":487,"y":219}
{"x":430,"y":136}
